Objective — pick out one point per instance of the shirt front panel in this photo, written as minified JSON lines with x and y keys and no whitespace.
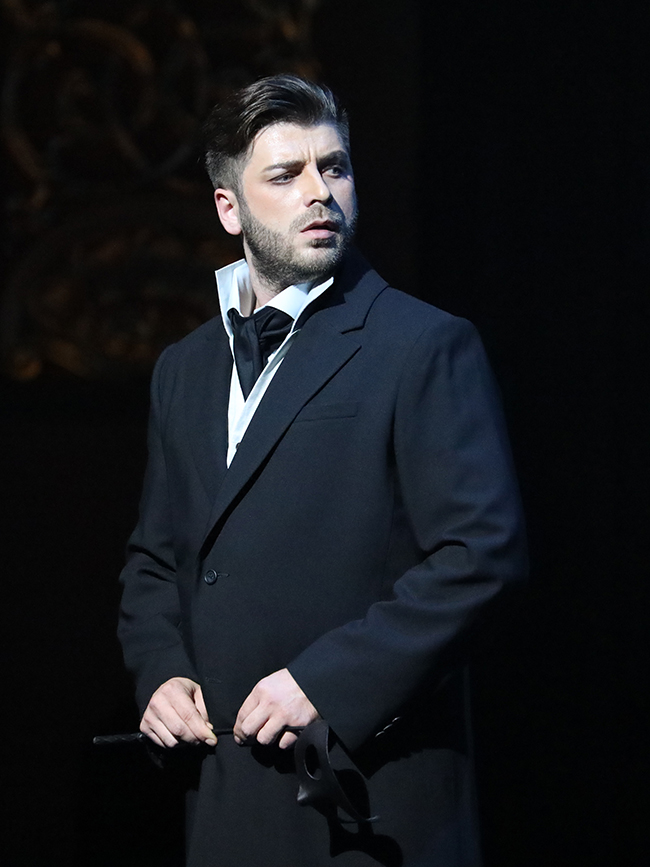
{"x":234,"y":290}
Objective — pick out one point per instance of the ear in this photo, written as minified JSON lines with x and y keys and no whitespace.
{"x":228,"y":210}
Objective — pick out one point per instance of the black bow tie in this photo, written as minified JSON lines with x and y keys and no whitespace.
{"x":256,"y":337}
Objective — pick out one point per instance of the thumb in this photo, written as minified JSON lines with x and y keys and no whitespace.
{"x":200,"y":703}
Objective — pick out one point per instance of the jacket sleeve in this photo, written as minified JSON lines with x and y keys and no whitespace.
{"x":458,"y":488}
{"x":149,"y":626}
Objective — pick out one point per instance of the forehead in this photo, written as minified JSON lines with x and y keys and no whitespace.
{"x":285,"y":142}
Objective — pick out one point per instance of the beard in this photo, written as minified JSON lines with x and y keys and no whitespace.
{"x":279,"y":263}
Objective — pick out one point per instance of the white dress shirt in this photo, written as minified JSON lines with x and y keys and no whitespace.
{"x":234,"y":288}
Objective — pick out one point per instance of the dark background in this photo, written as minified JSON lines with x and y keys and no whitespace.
{"x":501,"y":153}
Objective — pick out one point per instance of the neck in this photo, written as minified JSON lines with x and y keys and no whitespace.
{"x":263,"y":290}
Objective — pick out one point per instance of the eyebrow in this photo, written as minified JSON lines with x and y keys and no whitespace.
{"x":337,"y":156}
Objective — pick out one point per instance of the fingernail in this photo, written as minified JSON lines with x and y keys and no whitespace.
{"x":211,"y":742}
{"x":237,"y":740}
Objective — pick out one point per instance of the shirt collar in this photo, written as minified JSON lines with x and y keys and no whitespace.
{"x":234,"y":290}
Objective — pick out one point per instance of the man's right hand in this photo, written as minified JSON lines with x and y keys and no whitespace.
{"x":176,"y":712}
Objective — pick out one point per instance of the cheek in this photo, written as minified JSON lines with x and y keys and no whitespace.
{"x":277,"y":208}
{"x":347,"y":202}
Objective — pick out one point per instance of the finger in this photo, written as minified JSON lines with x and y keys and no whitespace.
{"x":155,"y":739}
{"x":248,"y":708}
{"x":157,"y":731}
{"x":255,"y":721}
{"x":287,"y":740}
{"x":147,"y":730}
{"x":268,"y":732}
{"x":199,"y":701}
{"x":190,"y":707}
{"x":249,"y":726}
{"x":249,"y":704}
{"x":178,"y":713}
{"x":200,"y":705}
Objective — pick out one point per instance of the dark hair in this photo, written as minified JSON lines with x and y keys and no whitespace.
{"x":233,"y":124}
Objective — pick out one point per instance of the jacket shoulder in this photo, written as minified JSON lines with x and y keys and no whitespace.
{"x":210,"y":330}
{"x":410,"y":317}
{"x":196,"y":352}
{"x":195,"y":341}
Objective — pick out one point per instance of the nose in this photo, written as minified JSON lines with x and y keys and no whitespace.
{"x":314,"y":187}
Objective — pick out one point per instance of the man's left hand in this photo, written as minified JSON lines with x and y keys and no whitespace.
{"x":275,"y":702}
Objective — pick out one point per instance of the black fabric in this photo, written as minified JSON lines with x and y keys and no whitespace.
{"x":256,"y":338}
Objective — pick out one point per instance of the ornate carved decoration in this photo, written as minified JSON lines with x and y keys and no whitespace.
{"x":112,"y":238}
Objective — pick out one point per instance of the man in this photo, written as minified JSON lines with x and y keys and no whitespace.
{"x":329,"y":517}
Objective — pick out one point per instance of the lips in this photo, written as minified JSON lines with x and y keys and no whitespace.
{"x":322,"y":225}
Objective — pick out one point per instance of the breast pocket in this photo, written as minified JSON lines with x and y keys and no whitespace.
{"x":316,"y":411}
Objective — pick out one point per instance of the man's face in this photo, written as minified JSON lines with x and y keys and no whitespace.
{"x":297,"y":204}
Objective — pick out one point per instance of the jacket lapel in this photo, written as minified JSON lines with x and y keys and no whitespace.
{"x":322,"y":347}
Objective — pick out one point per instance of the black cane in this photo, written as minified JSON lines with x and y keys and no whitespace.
{"x":140,"y":737}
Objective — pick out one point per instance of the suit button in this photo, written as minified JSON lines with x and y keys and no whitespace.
{"x":210,"y":576}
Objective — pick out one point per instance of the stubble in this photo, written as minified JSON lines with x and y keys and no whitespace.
{"x":278,"y":263}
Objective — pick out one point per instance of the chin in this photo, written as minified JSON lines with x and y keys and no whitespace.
{"x":322,"y":249}
{"x":319,"y":260}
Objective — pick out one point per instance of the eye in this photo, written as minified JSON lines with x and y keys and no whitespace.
{"x":285,"y":178}
{"x":336,"y":171}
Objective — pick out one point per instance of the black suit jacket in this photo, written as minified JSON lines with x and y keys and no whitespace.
{"x":364,"y":530}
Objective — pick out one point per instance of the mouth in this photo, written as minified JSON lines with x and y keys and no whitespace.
{"x":321,"y":229}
